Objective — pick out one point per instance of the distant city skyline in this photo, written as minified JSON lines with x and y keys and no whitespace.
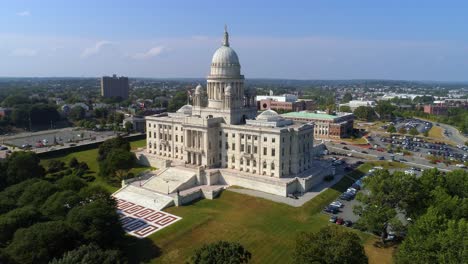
{"x":420,"y":40}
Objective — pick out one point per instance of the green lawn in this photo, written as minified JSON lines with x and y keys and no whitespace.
{"x":267,"y":229}
{"x":90,"y":157}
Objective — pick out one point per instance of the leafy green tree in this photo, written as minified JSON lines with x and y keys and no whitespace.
{"x":128,"y":126}
{"x":221,"y":252}
{"x":73,"y":163}
{"x":15,"y":219}
{"x":36,"y":193}
{"x":176,"y":102}
{"x":402,"y":130}
{"x":329,"y":245}
{"x":413,"y":131}
{"x":55,"y":166}
{"x":365,"y":113}
{"x":71,"y":182}
{"x":391,"y":129}
{"x":345,"y":109}
{"x":20,"y":116}
{"x":59,"y":204}
{"x":347,"y":97}
{"x":97,"y":222}
{"x":77,"y":113}
{"x":41,"y":242}
{"x":43,"y":114}
{"x":117,"y":160}
{"x":22,"y":166}
{"x":90,"y":254}
{"x":14,"y":100}
{"x":111,"y":144}
{"x":385,"y":110}
{"x":9,"y":196}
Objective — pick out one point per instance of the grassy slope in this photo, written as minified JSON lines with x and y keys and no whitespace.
{"x":90,"y":156}
{"x":265,"y":228}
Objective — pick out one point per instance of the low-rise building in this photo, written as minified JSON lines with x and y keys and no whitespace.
{"x":138,"y":123}
{"x":326,"y":126}
{"x":285,"y":102}
{"x":357,"y":103}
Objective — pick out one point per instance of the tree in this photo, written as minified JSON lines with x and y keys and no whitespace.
{"x":347,"y":97}
{"x":90,"y":254}
{"x":43,"y":114}
{"x":176,"y":102}
{"x":22,"y":166}
{"x":110,"y":144}
{"x":365,"y":113}
{"x":36,"y":193}
{"x":71,"y":182}
{"x":117,"y":160}
{"x":97,"y":222}
{"x":402,"y":130}
{"x":329,"y":245}
{"x":15,"y":219}
{"x":413,"y":131}
{"x":221,"y":252}
{"x":59,"y":204}
{"x":385,"y":110}
{"x":73,"y":163}
{"x":391,"y":129}
{"x":41,"y":242}
{"x":55,"y":166}
{"x":345,"y":109}
{"x":128,"y":126}
{"x":9,"y":196}
{"x":77,"y":113}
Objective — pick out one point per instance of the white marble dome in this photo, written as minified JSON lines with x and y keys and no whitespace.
{"x":225,"y":55}
{"x":186,"y":110}
{"x":225,"y":61}
{"x":269,"y":115}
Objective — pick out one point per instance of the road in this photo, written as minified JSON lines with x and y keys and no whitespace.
{"x":454,"y":134}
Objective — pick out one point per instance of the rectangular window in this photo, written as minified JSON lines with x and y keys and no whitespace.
{"x":273,"y":140}
{"x":273,"y":152}
{"x":255,"y":149}
{"x":264,"y":151}
{"x":249,"y":148}
{"x":226,"y":145}
{"x":233,"y":146}
{"x":182,"y":139}
{"x":242,"y":148}
{"x":282,"y":151}
{"x":264,"y":139}
{"x":249,"y":137}
{"x":176,"y":138}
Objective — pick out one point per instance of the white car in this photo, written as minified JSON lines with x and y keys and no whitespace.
{"x":461,"y":165}
{"x":351,"y":190}
{"x":410,"y":172}
{"x":337,"y":204}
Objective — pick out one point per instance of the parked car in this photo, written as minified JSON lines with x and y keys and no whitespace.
{"x":337,"y":204}
{"x":348,"y":223}
{"x":345,"y":148}
{"x":333,"y":219}
{"x":339,"y":221}
{"x":331,"y":209}
{"x":3,"y":148}
{"x":347,"y":196}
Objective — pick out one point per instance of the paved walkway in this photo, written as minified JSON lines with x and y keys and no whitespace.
{"x":291,"y":201}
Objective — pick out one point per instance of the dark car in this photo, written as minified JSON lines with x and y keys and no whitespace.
{"x":342,"y":143}
{"x":381,"y":158}
{"x":348,"y":223}
{"x":347,"y":197}
{"x":331,"y":209}
{"x":364,"y":152}
{"x":333,"y":219}
{"x":345,"y":148}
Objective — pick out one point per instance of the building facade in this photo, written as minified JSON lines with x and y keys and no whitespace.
{"x":222,"y":129}
{"x":326,"y":126}
{"x":114,"y":87}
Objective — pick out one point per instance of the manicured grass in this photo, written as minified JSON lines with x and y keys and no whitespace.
{"x":90,"y":157}
{"x":267,"y":229}
{"x":357,"y":141}
{"x":436,"y":132}
{"x":138,"y":144}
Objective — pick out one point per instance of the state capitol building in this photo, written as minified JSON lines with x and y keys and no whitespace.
{"x":222,"y":129}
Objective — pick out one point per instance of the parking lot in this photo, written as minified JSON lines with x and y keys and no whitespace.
{"x":45,"y":139}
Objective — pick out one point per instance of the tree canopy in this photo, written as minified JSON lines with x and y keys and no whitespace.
{"x":221,"y":252}
{"x":331,"y":245}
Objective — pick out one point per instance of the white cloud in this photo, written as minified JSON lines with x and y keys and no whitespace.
{"x":23,"y":13}
{"x":95,"y":49}
{"x":24,"y":52}
{"x":155,"y":51}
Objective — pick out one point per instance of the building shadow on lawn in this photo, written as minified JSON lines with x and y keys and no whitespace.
{"x":141,"y":250}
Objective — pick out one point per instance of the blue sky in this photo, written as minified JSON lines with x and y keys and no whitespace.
{"x":416,"y":40}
